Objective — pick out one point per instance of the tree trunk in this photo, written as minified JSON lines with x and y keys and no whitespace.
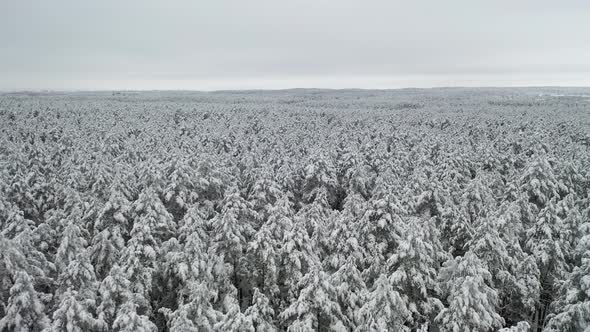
{"x":263,"y":279}
{"x":237,"y":284}
{"x":534,"y":321}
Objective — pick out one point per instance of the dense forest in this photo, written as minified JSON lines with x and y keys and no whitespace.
{"x":298,"y":210}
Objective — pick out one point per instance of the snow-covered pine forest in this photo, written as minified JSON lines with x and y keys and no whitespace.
{"x":299,"y":210}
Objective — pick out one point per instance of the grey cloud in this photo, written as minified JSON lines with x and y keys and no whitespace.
{"x":186,"y":44}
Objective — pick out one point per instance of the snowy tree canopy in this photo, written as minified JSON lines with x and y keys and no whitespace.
{"x":296,"y":210}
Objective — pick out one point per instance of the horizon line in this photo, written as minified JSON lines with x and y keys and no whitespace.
{"x":17,"y":91}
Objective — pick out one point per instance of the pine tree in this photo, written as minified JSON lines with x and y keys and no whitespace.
{"x":12,"y":220}
{"x":314,"y":217}
{"x":129,"y":321}
{"x":380,"y":229}
{"x":194,"y":221}
{"x":72,"y":243}
{"x":261,"y":313}
{"x":179,"y":191}
{"x":72,"y":315}
{"x":471,"y":301}
{"x":360,"y":179}
{"x":351,"y":291}
{"x":184,"y":264}
{"x":573,"y":178}
{"x":571,"y":219}
{"x":114,"y":292}
{"x":549,"y":249}
{"x":317,"y":303}
{"x":139,"y":262}
{"x":106,"y":249}
{"x":150,"y":211}
{"x":179,"y":320}
{"x":280,"y":219}
{"x":234,"y":320}
{"x":476,"y":199}
{"x":23,"y":311}
{"x":233,"y":228}
{"x":172,"y":271}
{"x":519,"y":327}
{"x":212,"y":181}
{"x":265,"y":193}
{"x":180,"y":265}
{"x":539,"y":182}
{"x":475,"y":202}
{"x":342,"y":237}
{"x":115,"y":212}
{"x":111,"y":228}
{"x":385,"y":310}
{"x":458,"y":233}
{"x":13,"y":261}
{"x":572,"y":307}
{"x":79,"y":276}
{"x":297,"y":257}
{"x":518,"y":285}
{"x":320,"y":175}
{"x":21,"y":254}
{"x":263,"y":259}
{"x":101,"y":175}
{"x":492,"y":250}
{"x":414,"y":270}
{"x":199,"y":257}
{"x":526,"y":290}
{"x":196,"y":313}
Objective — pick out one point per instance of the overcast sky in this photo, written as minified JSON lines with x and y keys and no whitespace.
{"x":219,"y":44}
